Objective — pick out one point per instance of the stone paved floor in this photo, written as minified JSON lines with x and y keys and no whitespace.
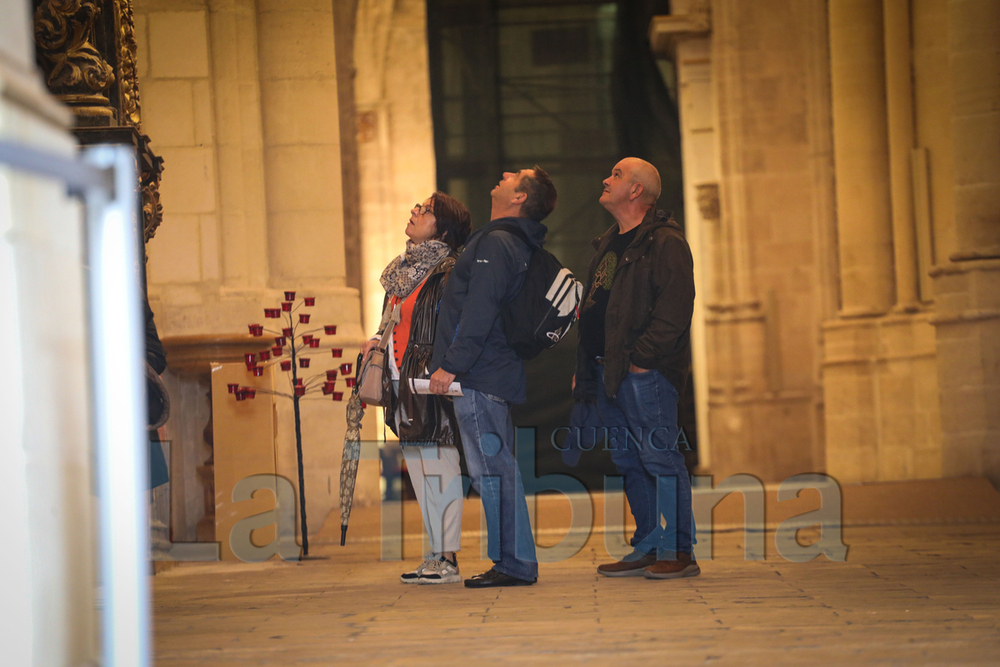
{"x":917,"y":594}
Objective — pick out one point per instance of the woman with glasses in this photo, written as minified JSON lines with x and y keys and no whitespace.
{"x":425,"y":423}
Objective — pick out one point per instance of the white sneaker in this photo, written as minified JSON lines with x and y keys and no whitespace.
{"x":413,"y":576}
{"x":441,"y":571}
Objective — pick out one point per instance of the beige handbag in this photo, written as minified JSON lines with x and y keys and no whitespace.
{"x":374,"y":384}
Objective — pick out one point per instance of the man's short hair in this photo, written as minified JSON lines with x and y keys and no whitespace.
{"x":541,"y":194}
{"x":454,"y":224}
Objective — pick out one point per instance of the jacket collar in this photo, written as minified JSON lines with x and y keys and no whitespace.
{"x":654,"y":220}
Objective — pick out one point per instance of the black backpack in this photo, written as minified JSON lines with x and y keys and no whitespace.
{"x":547,"y":305}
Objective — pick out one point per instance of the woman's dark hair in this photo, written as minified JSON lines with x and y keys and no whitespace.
{"x":454,"y":224}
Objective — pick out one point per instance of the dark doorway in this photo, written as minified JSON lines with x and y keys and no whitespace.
{"x":570,"y":85}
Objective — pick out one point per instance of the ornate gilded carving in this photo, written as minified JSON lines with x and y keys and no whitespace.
{"x":152,"y":211}
{"x":87,"y":49}
{"x":63,"y":32}
{"x":127,"y":74}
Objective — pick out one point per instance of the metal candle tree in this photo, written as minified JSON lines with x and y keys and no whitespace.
{"x":300,"y":346}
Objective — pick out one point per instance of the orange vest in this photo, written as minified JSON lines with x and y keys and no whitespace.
{"x":401,"y":332}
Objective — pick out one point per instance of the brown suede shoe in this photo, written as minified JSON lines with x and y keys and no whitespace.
{"x":626,"y":568}
{"x":684,"y":566}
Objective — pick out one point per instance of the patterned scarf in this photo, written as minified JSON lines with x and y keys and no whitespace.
{"x":409,"y":269}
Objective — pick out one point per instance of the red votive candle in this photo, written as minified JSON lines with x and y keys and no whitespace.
{"x":338,"y":395}
{"x":249,"y":356}
{"x":286,"y":365}
{"x":309,"y":300}
{"x":337,"y":352}
{"x":345,"y":369}
{"x":304,"y":362}
{"x":279,"y":341}
{"x":264,"y":355}
{"x":306,"y":338}
{"x":330,"y":329}
{"x":331,"y":375}
{"x":289,"y":296}
{"x":232,"y":388}
{"x":286,"y":333}
{"x":257,"y":372}
{"x":286,"y":306}
{"x":298,"y":382}
{"x":328,"y":387}
{"x":300,"y":391}
{"x":314,"y":342}
{"x":276,"y":350}
{"x":251,"y":393}
{"x":304,"y":318}
{"x":241,"y":395}
{"x":349,"y":382}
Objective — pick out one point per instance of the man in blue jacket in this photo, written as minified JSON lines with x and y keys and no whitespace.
{"x":470,"y":346}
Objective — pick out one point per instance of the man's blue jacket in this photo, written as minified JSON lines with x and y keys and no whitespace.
{"x":470,"y":342}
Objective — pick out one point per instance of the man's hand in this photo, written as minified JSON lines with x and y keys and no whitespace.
{"x":367,"y":347}
{"x":441,"y":380}
{"x":632,"y":368}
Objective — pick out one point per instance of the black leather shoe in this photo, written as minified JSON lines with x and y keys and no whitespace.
{"x":492,"y":579}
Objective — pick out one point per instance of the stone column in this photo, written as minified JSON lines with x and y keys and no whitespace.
{"x":861,"y":154}
{"x":967,"y":290}
{"x":899,"y":89}
{"x":298,"y":89}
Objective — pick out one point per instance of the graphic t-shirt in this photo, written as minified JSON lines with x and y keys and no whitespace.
{"x":595,"y":305}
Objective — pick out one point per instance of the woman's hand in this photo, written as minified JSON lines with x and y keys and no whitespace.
{"x":367,"y":347}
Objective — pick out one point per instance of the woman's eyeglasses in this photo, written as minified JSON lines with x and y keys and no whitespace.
{"x":422,"y":209}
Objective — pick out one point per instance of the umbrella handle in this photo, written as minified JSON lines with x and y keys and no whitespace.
{"x":357,"y":380}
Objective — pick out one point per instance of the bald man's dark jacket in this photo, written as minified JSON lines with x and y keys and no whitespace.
{"x":648,"y":320}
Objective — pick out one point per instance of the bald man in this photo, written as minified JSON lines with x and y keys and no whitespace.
{"x":633,"y":359}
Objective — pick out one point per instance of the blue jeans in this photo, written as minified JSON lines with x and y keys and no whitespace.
{"x":642,"y":435}
{"x":488,"y":440}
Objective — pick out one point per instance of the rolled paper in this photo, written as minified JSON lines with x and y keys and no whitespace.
{"x":303,"y":362}
{"x":300,"y":391}
{"x":314,"y":342}
{"x":257,"y":372}
{"x":289,"y":296}
{"x":251,"y":393}
{"x":232,"y":387}
{"x":286,"y":365}
{"x":345,"y":369}
{"x":338,"y":395}
{"x":330,"y":329}
{"x":309,"y":300}
{"x":249,"y":356}
{"x":349,"y":382}
{"x":276,"y":350}
{"x":286,"y":333}
{"x":304,"y":318}
{"x":331,"y":375}
{"x":264,"y":355}
{"x":286,"y":306}
{"x":337,"y":352}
